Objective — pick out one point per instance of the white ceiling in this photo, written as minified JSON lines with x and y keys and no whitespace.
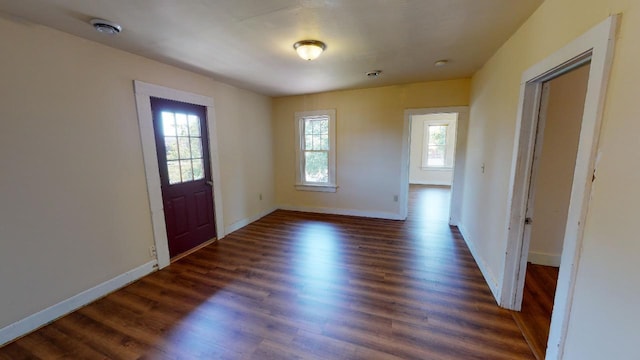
{"x":249,"y":43}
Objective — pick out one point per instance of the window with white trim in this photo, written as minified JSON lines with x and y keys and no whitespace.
{"x":439,"y":143}
{"x":316,"y":150}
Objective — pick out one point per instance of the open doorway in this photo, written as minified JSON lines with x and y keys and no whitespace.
{"x":434,"y":150}
{"x":554,"y":158}
{"x":596,"y":48}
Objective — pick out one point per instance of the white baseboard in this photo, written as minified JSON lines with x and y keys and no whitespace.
{"x":43,"y":317}
{"x":484,"y":269}
{"x":246,"y":221}
{"x":347,"y":212}
{"x":436,"y":183}
{"x":544,"y":259}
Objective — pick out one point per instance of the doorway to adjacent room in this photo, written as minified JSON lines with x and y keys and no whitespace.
{"x":552,"y":169}
{"x":434,"y":151}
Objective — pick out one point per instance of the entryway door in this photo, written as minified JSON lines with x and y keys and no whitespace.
{"x":185,"y":173}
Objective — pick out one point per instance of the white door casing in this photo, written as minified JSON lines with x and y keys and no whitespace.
{"x":459,"y":161}
{"x":596,"y":46}
{"x":143,"y":92}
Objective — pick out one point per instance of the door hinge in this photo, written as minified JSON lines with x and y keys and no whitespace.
{"x":528,"y":221}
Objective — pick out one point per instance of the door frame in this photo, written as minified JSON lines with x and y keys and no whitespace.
{"x":143,"y":92}
{"x":462,"y":126}
{"x":596,"y":46}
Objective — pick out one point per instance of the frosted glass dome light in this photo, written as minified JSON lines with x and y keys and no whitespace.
{"x":309,"y":49}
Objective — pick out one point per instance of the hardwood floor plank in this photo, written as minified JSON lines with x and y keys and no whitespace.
{"x":101,"y":338}
{"x":297,"y":285}
{"x":71,"y":348}
{"x":34,"y":346}
{"x":534,"y":319}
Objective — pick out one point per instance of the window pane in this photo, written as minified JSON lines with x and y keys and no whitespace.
{"x":171,"y":146}
{"x":437,"y":134}
{"x":308,"y":142}
{"x":181,"y":125}
{"x":196,"y":147}
{"x":168,"y":124}
{"x":184,"y":148}
{"x":436,"y":155}
{"x":324,"y":142}
{"x":174,"y":172}
{"x":198,"y":169}
{"x":316,"y":167}
{"x":194,"y":125}
{"x":324,"y":126}
{"x":317,"y":126}
{"x":187,"y":171}
{"x":307,"y":127}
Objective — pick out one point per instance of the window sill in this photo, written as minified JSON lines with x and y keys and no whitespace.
{"x":429,"y":168}
{"x":320,"y":188}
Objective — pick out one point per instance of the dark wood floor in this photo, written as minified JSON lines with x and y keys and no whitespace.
{"x":537,"y":303}
{"x":301,"y":286}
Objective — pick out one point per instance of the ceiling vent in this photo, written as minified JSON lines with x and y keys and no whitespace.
{"x":105,"y":27}
{"x":373,"y":74}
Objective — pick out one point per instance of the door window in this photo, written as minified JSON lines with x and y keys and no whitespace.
{"x":183,"y":143}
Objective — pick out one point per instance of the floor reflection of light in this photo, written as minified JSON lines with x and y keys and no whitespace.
{"x":430,"y":213}
{"x":199,"y":331}
{"x":318,"y":252}
{"x":432,"y":204}
{"x":319,"y":263}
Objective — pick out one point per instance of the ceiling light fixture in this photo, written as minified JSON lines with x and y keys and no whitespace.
{"x":309,"y":49}
{"x":105,"y":26}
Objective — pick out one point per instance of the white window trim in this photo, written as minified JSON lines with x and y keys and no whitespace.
{"x":449,"y":146}
{"x":300,"y":184}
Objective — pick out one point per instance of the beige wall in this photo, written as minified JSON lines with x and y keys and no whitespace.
{"x":603,"y":322}
{"x":556,"y":165}
{"x":418,"y":175}
{"x":369,"y":126}
{"x":74,"y":210}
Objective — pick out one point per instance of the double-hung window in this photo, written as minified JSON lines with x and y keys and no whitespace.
{"x":316,"y":150}
{"x":438,"y":144}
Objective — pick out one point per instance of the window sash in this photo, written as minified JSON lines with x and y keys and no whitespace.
{"x":437,"y":148}
{"x":315,"y":137}
{"x":437,"y":153}
{"x":315,"y":169}
{"x":316,"y":175}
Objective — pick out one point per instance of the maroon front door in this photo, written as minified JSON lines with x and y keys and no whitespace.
{"x":185,"y":173}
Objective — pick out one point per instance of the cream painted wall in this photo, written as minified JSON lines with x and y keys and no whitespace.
{"x":418,"y":175}
{"x":369,"y":126}
{"x":74,"y":210}
{"x":556,"y":165}
{"x":603,"y":321}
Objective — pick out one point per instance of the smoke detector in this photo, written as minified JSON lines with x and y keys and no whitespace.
{"x":441,"y":63}
{"x":105,"y":26}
